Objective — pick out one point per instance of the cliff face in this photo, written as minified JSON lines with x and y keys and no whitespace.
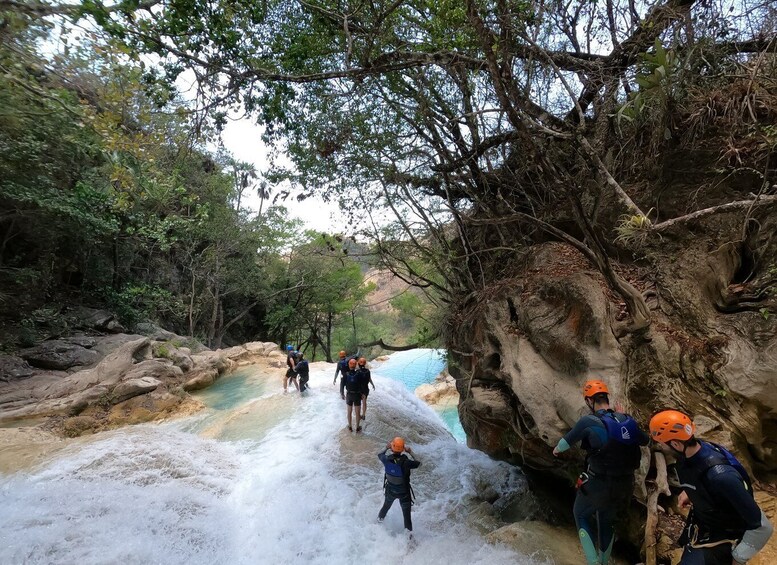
{"x":711,"y":348}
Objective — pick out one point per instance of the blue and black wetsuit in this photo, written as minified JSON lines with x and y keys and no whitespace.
{"x":397,"y":484}
{"x":726,"y":523}
{"x":351,"y":385}
{"x":607,"y":483}
{"x":342,"y":369}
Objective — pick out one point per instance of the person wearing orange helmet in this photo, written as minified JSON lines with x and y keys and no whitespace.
{"x":342,"y":367}
{"x":725,"y":524}
{"x":365,"y":377}
{"x":396,"y":480}
{"x":351,"y":391}
{"x":612,"y":443}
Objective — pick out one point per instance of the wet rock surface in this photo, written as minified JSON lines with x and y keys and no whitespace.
{"x":127,"y":379}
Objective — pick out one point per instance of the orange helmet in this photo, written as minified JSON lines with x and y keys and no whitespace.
{"x":351,"y":363}
{"x":362,"y":361}
{"x":397,"y":445}
{"x":594,"y":387}
{"x":342,"y":355}
{"x":671,"y":424}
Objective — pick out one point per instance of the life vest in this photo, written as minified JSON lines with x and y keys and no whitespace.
{"x":722,"y":457}
{"x":395,"y":480}
{"x":342,"y":366}
{"x":713,"y":516}
{"x":621,"y":454}
{"x":352,"y":381}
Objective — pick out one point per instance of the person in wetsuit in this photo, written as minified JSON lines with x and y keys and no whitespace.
{"x":351,"y":391}
{"x":303,"y":370}
{"x":612,"y":442}
{"x":365,"y":378}
{"x":341,"y":369}
{"x":725,"y":526}
{"x":291,"y":373}
{"x":396,"y":483}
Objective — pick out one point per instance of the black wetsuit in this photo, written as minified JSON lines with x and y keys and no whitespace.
{"x":303,"y":370}
{"x":398,"y":488}
{"x":365,"y":377}
{"x":723,"y":507}
{"x":609,"y":482}
{"x":291,"y":358}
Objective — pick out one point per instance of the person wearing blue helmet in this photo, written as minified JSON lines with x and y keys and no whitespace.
{"x":291,"y":371}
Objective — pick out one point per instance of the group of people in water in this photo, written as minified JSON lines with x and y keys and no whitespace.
{"x":725,"y":526}
{"x":355,"y":380}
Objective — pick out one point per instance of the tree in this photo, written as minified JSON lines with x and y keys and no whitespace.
{"x":497,"y":112}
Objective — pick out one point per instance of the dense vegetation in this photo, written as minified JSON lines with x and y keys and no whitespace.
{"x":110,"y":197}
{"x":481,"y":127}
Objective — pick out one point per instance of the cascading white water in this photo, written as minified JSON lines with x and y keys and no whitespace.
{"x":273,"y":478}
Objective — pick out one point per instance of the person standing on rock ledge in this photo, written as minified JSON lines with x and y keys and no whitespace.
{"x":725,"y":525}
{"x":612,"y":441}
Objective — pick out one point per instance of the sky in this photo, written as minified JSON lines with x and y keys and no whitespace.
{"x":243,"y":139}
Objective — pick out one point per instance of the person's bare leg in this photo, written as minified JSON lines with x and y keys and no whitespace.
{"x":296,"y":384}
{"x":364,"y":408}
{"x":358,"y":417}
{"x":348,"y":411}
{"x":285,"y":384}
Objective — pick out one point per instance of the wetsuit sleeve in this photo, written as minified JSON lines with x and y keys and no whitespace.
{"x":413,"y":464}
{"x":585,"y":428}
{"x":382,"y":456}
{"x":644,"y":439}
{"x":342,"y":386}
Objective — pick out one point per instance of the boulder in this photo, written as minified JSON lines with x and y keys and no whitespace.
{"x":13,"y":367}
{"x":101,"y":320}
{"x":199,"y":379}
{"x":531,"y":539}
{"x":134,"y":387}
{"x":59,"y":354}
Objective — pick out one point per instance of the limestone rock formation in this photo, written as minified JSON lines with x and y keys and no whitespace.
{"x":132,"y":379}
{"x":537,"y":337}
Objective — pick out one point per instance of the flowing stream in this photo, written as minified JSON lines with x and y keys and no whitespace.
{"x":259,"y":477}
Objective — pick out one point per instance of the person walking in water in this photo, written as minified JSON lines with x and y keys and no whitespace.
{"x":341,"y":369}
{"x":351,"y":392}
{"x":725,"y":525}
{"x":396,"y":481}
{"x":366,"y":379}
{"x":303,"y":370}
{"x":291,"y":374}
{"x":612,"y":441}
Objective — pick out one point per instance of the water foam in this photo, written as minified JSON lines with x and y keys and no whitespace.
{"x":291,"y":487}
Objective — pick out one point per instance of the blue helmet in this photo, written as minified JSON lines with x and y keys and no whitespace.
{"x":289,"y":348}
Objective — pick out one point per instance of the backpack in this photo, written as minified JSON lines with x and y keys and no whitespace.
{"x":394,"y":476}
{"x":352,"y":381}
{"x":625,"y":432}
{"x":731,"y":460}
